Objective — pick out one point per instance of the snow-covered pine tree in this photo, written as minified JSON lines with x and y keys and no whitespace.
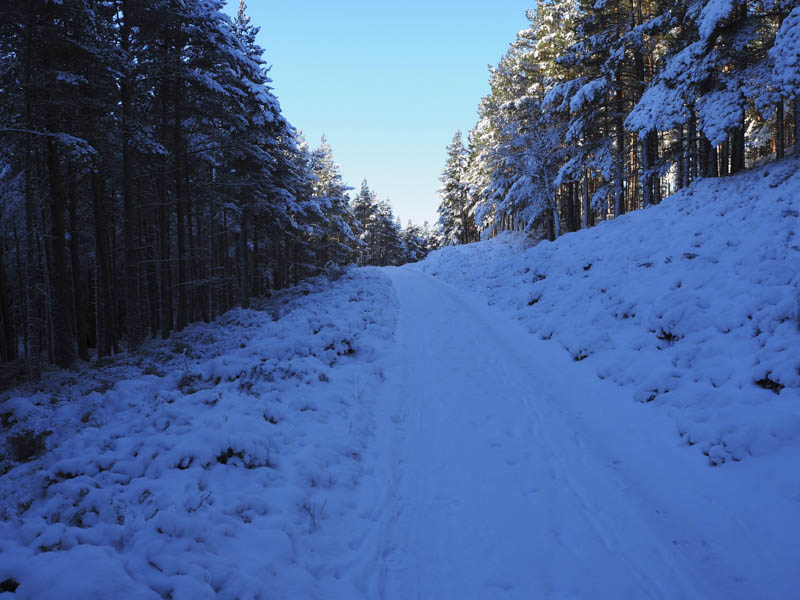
{"x":365,"y":207}
{"x":456,"y":210}
{"x":334,"y":234}
{"x":785,"y":76}
{"x":387,"y":248}
{"x":415,"y":242}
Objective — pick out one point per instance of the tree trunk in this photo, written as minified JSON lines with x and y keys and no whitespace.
{"x":737,"y":147}
{"x":182,"y":319}
{"x":779,"y":139}
{"x":619,"y":189}
{"x":713,"y":160}
{"x":191,"y":237}
{"x":681,"y":160}
{"x":556,"y":222}
{"x":647,"y":179}
{"x":576,"y":206}
{"x":45,"y":255}
{"x":722,"y":161}
{"x":587,"y":204}
{"x":165,"y":303}
{"x":691,"y":148}
{"x":21,"y":301}
{"x":63,"y":346}
{"x":202,"y":267}
{"x":227,"y":271}
{"x":244,"y":263}
{"x":797,"y":125}
{"x":8,"y":341}
{"x":104,"y":295}
{"x":277,"y":271}
{"x":77,"y":292}
{"x":165,"y":285}
{"x":703,"y":156}
{"x":256,"y":265}
{"x":32,"y":333}
{"x":151,"y":258}
{"x":133,"y":315}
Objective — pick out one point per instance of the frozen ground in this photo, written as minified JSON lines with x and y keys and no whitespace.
{"x":615,"y":415}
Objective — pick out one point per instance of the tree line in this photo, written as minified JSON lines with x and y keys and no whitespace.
{"x":603,"y":107}
{"x":148,"y":179}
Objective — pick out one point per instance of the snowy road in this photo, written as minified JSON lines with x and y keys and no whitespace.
{"x":515,"y":474}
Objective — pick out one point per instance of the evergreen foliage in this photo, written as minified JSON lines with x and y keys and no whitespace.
{"x":599,"y":108}
{"x":149,"y":179}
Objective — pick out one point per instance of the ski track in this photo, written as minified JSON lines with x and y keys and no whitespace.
{"x":511,"y":473}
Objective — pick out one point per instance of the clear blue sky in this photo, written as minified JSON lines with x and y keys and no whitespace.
{"x":387,"y":82}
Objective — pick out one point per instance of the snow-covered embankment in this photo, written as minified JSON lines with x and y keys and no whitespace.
{"x":692,"y":306}
{"x":221,"y":463}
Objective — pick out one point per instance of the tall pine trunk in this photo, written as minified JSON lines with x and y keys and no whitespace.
{"x":649,"y":145}
{"x":32,"y":295}
{"x":723,"y":156}
{"x":257,"y":286}
{"x":79,"y":305}
{"x":619,"y":158}
{"x":104,"y":297}
{"x":180,"y":208}
{"x":737,"y":147}
{"x":587,"y":204}
{"x":691,"y":148}
{"x":133,"y":315}
{"x":63,"y":346}
{"x":151,"y":260}
{"x":244,"y":263}
{"x":8,"y":341}
{"x":165,"y":284}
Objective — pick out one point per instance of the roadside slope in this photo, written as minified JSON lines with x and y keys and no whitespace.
{"x":226,"y":462}
{"x":692,"y":306}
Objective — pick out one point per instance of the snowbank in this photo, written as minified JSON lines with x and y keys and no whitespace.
{"x":692,"y":306}
{"x":221,"y":463}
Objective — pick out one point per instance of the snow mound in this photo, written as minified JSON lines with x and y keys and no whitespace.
{"x":692,"y":306}
{"x":221,"y":463}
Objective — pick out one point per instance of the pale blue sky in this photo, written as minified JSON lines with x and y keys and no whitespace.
{"x":387,"y":83}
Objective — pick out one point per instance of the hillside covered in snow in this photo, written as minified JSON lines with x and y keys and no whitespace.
{"x":219,"y":463}
{"x":692,"y":305}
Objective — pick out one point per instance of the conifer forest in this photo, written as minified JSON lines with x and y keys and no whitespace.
{"x":601,"y":108}
{"x":149,"y":180}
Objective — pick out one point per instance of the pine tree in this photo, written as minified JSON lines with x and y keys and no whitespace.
{"x":785,"y":76}
{"x":364,"y":207}
{"x":334,"y":228}
{"x":456,"y":216}
{"x":415,"y":242}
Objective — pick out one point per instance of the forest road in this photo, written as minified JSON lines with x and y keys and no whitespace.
{"x":512,"y":473}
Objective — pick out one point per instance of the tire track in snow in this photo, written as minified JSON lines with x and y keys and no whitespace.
{"x":485,"y":501}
